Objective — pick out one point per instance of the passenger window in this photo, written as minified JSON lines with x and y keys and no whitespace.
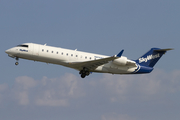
{"x":67,"y":54}
{"x":52,"y":51}
{"x":43,"y":50}
{"x":62,"y":53}
{"x":76,"y":55}
{"x":71,"y":54}
{"x":57,"y":52}
{"x":85,"y":57}
{"x":90,"y":58}
{"x":47,"y":50}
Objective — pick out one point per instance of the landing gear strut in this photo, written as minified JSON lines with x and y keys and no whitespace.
{"x":16,"y":63}
{"x":84,"y":72}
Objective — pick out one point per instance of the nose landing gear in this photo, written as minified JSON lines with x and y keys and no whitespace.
{"x":17,"y":63}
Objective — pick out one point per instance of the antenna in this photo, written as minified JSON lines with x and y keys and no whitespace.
{"x":45,"y":44}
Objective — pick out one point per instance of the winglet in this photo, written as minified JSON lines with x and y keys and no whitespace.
{"x":120,"y":53}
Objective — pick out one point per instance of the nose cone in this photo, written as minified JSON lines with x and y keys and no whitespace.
{"x":8,"y":51}
{"x":11,"y":52}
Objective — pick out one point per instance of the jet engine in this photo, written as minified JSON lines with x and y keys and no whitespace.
{"x":120,"y":61}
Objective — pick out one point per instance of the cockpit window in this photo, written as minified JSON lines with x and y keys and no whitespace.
{"x":22,"y":46}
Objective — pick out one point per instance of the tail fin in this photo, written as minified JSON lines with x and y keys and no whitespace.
{"x":150,"y":58}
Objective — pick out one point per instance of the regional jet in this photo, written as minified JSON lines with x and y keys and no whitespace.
{"x":87,"y":63}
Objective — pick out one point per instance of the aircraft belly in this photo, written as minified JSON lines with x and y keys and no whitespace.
{"x":120,"y":69}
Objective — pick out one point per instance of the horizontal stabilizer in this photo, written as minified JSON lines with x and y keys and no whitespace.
{"x":163,"y":50}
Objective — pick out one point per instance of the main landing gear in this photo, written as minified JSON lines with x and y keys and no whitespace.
{"x":84,"y":72}
{"x":17,"y":63}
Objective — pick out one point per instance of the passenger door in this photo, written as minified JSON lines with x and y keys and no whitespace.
{"x":36,"y":50}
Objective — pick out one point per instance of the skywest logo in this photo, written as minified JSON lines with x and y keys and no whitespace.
{"x":23,"y":50}
{"x":149,"y":57}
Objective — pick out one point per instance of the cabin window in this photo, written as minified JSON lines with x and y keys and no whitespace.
{"x":90,"y":58}
{"x":85,"y":57}
{"x":67,"y":54}
{"x":57,"y":52}
{"x":52,"y":51}
{"x":42,"y":50}
{"x":62,"y":53}
{"x":47,"y":50}
{"x":76,"y":55}
{"x":71,"y":54}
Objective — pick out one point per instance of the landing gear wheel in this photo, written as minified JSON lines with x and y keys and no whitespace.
{"x":81,"y":72}
{"x":85,"y":72}
{"x":16,"y":63}
{"x":83,"y":75}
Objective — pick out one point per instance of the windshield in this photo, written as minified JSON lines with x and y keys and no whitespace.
{"x":22,"y":46}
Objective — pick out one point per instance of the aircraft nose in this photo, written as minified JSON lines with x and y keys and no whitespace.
{"x":8,"y":51}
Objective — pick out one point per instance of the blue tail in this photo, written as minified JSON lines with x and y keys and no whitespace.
{"x":149,"y":59}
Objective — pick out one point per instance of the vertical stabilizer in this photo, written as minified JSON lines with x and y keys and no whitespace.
{"x":150,"y":58}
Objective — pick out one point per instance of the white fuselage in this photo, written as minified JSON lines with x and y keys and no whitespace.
{"x":65,"y":57}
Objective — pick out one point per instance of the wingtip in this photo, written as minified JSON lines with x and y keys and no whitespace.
{"x":120,"y":53}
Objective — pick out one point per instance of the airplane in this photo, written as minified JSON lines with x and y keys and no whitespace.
{"x":87,"y":63}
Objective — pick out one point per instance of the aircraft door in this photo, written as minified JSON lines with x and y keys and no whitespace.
{"x":30,"y":49}
{"x":36,"y":50}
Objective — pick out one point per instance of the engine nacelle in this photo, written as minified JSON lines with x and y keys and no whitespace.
{"x":120,"y":61}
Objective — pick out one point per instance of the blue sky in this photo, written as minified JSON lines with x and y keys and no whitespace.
{"x":34,"y":90}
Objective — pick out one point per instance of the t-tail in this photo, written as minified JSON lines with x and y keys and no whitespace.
{"x":146,"y":62}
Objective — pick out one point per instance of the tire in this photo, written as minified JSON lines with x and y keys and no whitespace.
{"x":83,"y":75}
{"x":16,"y":63}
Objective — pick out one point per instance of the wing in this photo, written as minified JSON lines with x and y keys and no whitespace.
{"x":93,"y":64}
